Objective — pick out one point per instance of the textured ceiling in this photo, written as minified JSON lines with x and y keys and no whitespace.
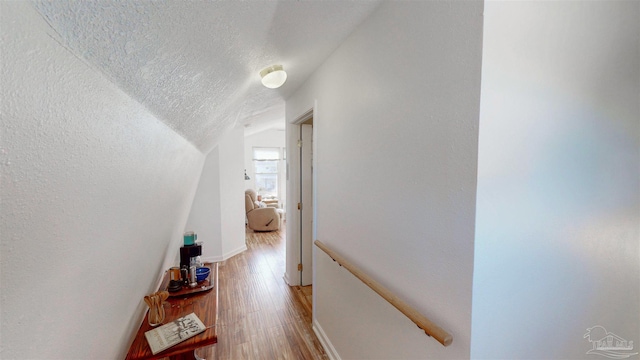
{"x":195,"y":64}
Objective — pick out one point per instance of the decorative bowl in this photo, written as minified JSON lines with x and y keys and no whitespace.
{"x":202,"y":273}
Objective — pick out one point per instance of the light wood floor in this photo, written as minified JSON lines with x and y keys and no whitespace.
{"x":260,"y":316}
{"x":305,"y":297}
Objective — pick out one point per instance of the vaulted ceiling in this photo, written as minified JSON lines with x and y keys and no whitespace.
{"x":195,"y":64}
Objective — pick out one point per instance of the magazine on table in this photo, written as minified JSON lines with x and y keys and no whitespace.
{"x":179,"y":330}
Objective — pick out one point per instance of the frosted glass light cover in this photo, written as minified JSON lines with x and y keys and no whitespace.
{"x":273,"y":77}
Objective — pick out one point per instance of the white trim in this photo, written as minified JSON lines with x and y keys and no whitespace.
{"x":235,"y":252}
{"x":304,"y":117}
{"x":324,"y":340}
{"x":213,"y":259}
{"x":225,"y":256}
{"x":286,"y":279}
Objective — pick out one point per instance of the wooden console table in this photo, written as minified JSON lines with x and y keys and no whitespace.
{"x":203,"y":304}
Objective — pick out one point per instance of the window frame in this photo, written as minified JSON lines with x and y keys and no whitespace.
{"x":258,"y":175}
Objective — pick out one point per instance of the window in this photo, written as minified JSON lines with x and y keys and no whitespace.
{"x":265,"y":164}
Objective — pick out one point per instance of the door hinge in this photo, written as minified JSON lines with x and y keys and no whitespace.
{"x":299,"y":267}
{"x":299,"y":143}
{"x":299,"y":206}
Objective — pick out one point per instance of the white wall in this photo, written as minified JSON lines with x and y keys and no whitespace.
{"x":205,"y":217}
{"x":232,"y":193}
{"x":217,"y":213}
{"x":396,"y":128}
{"x":95,"y":193}
{"x":268,"y":138}
{"x":558,"y":179}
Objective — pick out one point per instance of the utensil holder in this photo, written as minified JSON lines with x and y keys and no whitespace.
{"x":156,"y":307}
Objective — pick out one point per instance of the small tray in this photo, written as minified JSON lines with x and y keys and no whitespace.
{"x":205,"y":285}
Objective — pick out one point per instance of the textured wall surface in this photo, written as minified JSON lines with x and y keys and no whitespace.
{"x":95,"y":193}
{"x":396,"y":123}
{"x":558,"y":212}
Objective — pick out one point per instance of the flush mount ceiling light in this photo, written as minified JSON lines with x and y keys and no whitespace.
{"x":273,"y":76}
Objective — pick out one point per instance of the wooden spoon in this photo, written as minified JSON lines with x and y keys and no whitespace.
{"x":164,"y":295}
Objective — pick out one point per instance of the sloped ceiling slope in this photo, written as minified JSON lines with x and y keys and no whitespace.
{"x":195,"y":64}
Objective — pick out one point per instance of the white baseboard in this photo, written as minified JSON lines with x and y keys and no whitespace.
{"x":234,"y":252}
{"x":226,"y":255}
{"x":212,"y":259}
{"x":287,"y":280}
{"x":324,"y":340}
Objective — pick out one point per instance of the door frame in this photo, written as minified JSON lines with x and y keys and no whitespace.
{"x":293,"y":250}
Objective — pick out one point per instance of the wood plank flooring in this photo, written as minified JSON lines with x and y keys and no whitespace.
{"x":305,"y":296}
{"x":260,"y":316}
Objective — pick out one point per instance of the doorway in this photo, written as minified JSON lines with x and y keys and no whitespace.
{"x":306,"y":201}
{"x":301,"y":192}
{"x":306,"y":214}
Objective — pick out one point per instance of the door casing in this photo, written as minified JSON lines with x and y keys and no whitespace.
{"x":294,"y":256}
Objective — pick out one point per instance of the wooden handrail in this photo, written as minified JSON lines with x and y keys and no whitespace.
{"x":422,"y":321}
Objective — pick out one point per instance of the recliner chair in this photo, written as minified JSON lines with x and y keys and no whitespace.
{"x":260,"y":219}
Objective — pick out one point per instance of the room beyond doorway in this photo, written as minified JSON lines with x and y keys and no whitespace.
{"x":265,"y":166}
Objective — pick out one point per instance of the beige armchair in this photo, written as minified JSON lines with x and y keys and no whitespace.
{"x":260,"y":219}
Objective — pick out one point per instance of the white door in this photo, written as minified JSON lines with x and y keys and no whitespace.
{"x":306,"y":214}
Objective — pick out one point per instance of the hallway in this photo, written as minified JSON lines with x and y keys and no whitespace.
{"x":260,"y":316}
